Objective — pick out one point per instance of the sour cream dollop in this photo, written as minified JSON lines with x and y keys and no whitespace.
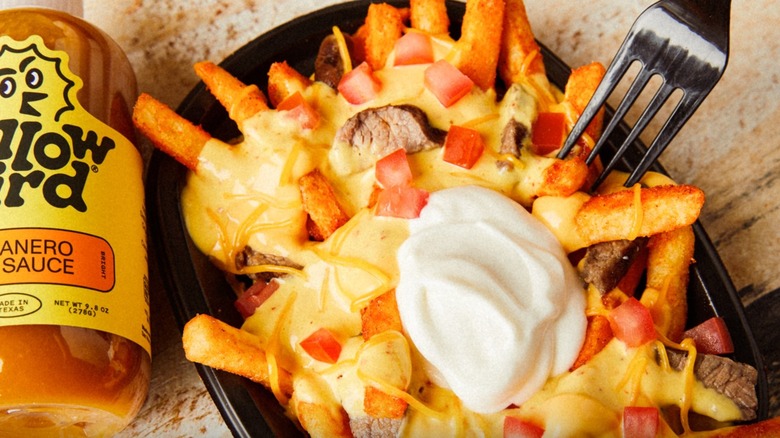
{"x":489,"y":298}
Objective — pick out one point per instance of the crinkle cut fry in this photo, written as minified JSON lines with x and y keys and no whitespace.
{"x":520,"y":53}
{"x":429,"y":16}
{"x":384,"y":26}
{"x":379,"y":316}
{"x":613,"y":216}
{"x":240,"y":100}
{"x":213,"y":343}
{"x":168,"y":131}
{"x":284,"y":81}
{"x":476,"y":51}
{"x":322,"y":206}
{"x":669,"y":257}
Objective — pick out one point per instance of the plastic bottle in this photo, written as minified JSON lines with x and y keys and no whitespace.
{"x":75,"y":354}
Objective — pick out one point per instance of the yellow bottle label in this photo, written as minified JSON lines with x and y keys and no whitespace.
{"x":72,"y":219}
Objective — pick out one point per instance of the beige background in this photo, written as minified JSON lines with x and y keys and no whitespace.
{"x":730,"y":148}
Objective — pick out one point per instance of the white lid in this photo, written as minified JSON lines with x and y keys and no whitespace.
{"x":72,"y":7}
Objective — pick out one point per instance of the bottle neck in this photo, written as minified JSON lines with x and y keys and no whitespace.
{"x":72,"y":7}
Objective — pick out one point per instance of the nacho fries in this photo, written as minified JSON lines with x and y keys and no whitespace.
{"x":324,"y":208}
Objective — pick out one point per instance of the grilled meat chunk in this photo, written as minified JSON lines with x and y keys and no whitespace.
{"x":250,"y":257}
{"x":379,"y":131}
{"x":735,"y":380}
{"x":607,"y":262}
{"x":329,"y":66}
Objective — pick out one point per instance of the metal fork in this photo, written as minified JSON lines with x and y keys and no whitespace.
{"x":686,"y":44}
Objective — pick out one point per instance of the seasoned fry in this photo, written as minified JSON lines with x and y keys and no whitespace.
{"x":384,"y":25}
{"x":580,"y":87}
{"x":564,"y":177}
{"x":520,"y":54}
{"x":168,"y":131}
{"x":597,"y":335}
{"x":669,"y":257}
{"x":284,"y":81}
{"x":476,"y":52}
{"x":240,"y":100}
{"x":213,"y":343}
{"x":615,"y":216}
{"x":319,"y":201}
{"x":429,"y":16}
{"x":323,"y":420}
{"x":381,"y":315}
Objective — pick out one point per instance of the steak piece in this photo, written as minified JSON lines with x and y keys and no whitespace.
{"x":735,"y":380}
{"x":379,"y":131}
{"x":250,"y":257}
{"x":512,"y":137}
{"x":328,"y":66}
{"x":371,"y":427}
{"x":606,"y":263}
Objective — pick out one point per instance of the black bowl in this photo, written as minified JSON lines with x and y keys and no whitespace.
{"x":195,"y":286}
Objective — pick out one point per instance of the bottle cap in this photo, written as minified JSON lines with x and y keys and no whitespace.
{"x":72,"y":7}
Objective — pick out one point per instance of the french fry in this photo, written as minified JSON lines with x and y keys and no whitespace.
{"x":580,"y":87}
{"x":284,"y":81}
{"x":564,"y":177}
{"x":429,"y":16}
{"x":476,"y":51}
{"x":240,"y":100}
{"x":321,"y":204}
{"x":323,"y":420}
{"x":615,"y":216}
{"x":597,"y":335}
{"x":213,"y":343}
{"x":520,"y":54}
{"x":384,"y":25}
{"x":168,"y":131}
{"x":381,"y":315}
{"x":669,"y":257}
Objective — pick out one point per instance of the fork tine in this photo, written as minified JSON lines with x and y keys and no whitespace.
{"x":681,"y":113}
{"x":611,"y":77}
{"x":660,"y":97}
{"x":630,"y":97}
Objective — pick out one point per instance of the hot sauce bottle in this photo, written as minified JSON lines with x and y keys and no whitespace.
{"x":75,"y":349}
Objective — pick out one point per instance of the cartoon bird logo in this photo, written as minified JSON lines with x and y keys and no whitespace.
{"x":32,"y":84}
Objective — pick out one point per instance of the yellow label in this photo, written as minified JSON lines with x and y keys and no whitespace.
{"x":72,"y":219}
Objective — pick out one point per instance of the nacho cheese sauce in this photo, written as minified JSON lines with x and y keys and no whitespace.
{"x":484,"y":283}
{"x":528,"y":311}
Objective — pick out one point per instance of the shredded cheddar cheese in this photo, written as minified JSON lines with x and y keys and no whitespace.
{"x":346,"y":60}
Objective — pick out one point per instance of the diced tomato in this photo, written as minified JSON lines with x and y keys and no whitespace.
{"x":298,"y":108}
{"x":254,"y":296}
{"x":548,"y":133}
{"x":711,"y":337}
{"x":463,"y":146}
{"x":359,"y":85}
{"x":640,"y":421}
{"x":446,"y":82}
{"x":413,"y":48}
{"x":517,"y":428}
{"x":322,"y":346}
{"x":401,"y":201}
{"x":632,"y":323}
{"x":393,"y":169}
